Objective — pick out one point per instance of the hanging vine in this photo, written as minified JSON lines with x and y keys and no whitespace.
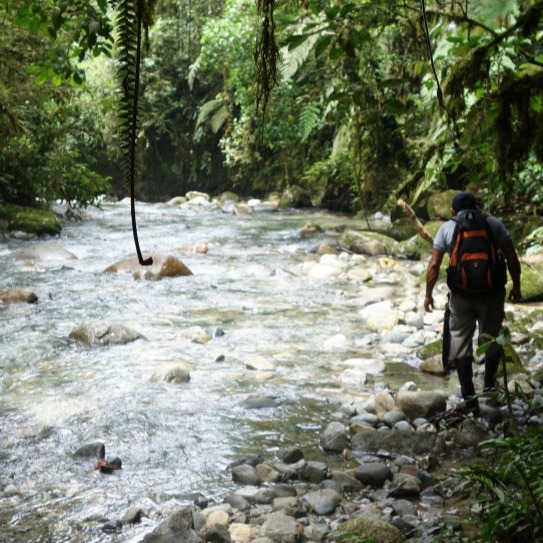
{"x":133,"y":17}
{"x":266,"y":55}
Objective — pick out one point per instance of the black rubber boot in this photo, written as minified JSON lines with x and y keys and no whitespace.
{"x":464,"y":369}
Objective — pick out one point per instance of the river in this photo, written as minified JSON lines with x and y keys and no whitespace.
{"x":250,"y":291}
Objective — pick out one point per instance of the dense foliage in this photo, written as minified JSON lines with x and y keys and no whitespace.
{"x":353,"y":117}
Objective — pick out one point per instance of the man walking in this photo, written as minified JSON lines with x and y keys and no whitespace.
{"x":478,"y":301}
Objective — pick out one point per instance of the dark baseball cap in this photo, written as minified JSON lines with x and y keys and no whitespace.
{"x":463,"y":200}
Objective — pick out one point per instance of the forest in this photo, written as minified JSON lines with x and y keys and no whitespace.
{"x":346,"y":105}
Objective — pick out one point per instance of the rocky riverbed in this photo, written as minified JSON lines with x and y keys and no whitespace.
{"x":331,"y":329}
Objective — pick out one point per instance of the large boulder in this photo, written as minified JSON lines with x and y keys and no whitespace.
{"x":531,"y":278}
{"x":370,"y":243}
{"x":163,"y":266}
{"x":29,"y":219}
{"x":439,"y":205}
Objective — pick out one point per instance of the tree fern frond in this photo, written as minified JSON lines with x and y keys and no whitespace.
{"x":309,"y":119}
{"x":219,"y":119}
{"x":133,"y":16}
{"x":207,"y":110}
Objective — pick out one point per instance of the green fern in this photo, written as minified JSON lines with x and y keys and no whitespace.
{"x":133,"y":16}
{"x":215,"y":112}
{"x":309,"y":119}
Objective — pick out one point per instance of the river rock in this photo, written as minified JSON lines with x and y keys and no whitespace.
{"x":18,"y":296}
{"x":291,"y":506}
{"x":246,"y":475}
{"x":179,"y":526}
{"x":172,"y":374}
{"x":374,"y":474}
{"x":280,"y":528}
{"x":43,"y":253}
{"x":405,"y":485}
{"x":380,"y":316}
{"x":322,"y":501}
{"x":241,"y":533}
{"x":334,"y":437}
{"x":369,"y":243}
{"x":373,"y":529}
{"x":421,"y":403}
{"x":217,"y":533}
{"x":399,"y":442}
{"x":259,"y":402}
{"x":104,"y":333}
{"x":314,"y":472}
{"x":438,"y":205}
{"x":163,"y":266}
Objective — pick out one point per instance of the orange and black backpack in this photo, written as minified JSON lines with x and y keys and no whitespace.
{"x":475,"y":264}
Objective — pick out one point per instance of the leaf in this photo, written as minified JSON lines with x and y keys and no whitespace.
{"x":321,"y":45}
{"x":309,"y":118}
{"x":512,"y":356}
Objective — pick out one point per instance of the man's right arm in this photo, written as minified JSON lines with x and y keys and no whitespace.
{"x":513,"y":265}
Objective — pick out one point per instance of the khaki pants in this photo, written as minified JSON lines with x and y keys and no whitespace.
{"x":468,"y":311}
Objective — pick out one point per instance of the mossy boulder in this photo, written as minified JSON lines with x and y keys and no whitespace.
{"x":439,"y":205}
{"x":370,"y":243}
{"x":372,"y":529}
{"x":531,"y":278}
{"x":295,"y":196}
{"x":32,"y":220}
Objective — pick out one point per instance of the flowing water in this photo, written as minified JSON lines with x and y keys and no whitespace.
{"x":250,"y":291}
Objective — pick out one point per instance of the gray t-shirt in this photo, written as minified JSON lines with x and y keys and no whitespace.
{"x":444,"y":237}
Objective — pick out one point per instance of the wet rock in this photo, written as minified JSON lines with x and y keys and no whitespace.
{"x":104,"y":333}
{"x":267,"y":473}
{"x":290,"y":505}
{"x":246,"y":475}
{"x":217,"y":533}
{"x":291,"y":455}
{"x":133,"y":515}
{"x":172,"y":374}
{"x":18,"y":296}
{"x":421,"y":403}
{"x":179,"y":526}
{"x":259,"y":363}
{"x":393,"y":417}
{"x":237,"y":502}
{"x":346,"y":482}
{"x":259,"y":402}
{"x":280,"y":528}
{"x":323,"y":501}
{"x":314,"y":472}
{"x":471,"y":434}
{"x":404,"y":507}
{"x":334,"y":437}
{"x":269,"y":494}
{"x":373,"y":529}
{"x":241,"y":533}
{"x":405,"y":485}
{"x":43,"y":253}
{"x":373,"y":474}
{"x":91,"y":450}
{"x":395,"y":441}
{"x":163,"y":266}
{"x":380,"y":316}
